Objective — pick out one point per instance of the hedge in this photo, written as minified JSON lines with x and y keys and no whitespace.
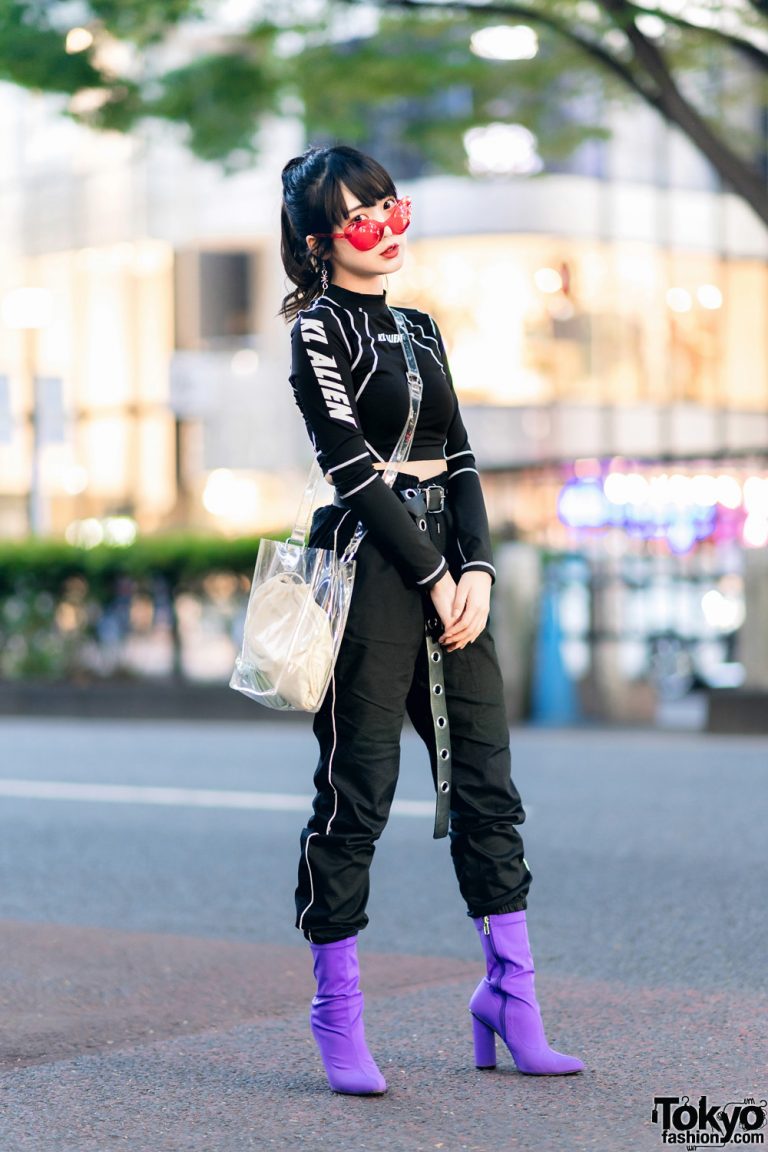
{"x":45,"y":564}
{"x":39,"y":576}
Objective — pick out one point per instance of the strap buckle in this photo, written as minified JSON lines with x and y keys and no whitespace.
{"x":435,"y":497}
{"x":415,"y":382}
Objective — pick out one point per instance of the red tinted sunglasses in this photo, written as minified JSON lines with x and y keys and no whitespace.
{"x":366,"y":234}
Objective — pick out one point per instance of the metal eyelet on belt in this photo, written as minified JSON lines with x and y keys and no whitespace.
{"x":422,"y":524}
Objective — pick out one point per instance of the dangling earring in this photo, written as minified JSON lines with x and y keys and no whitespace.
{"x":324,"y":277}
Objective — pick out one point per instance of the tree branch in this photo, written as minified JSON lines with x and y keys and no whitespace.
{"x":664,"y":95}
{"x":589,"y":47}
{"x":752,"y":51}
{"x":745,"y":180}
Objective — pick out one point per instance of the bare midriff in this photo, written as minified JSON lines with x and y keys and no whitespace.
{"x":424,"y":469}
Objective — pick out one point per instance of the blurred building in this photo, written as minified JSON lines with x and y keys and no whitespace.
{"x":605,"y":323}
{"x":607,"y":331}
{"x":162,"y":285}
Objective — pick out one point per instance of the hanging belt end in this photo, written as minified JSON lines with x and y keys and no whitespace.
{"x":441,"y":829}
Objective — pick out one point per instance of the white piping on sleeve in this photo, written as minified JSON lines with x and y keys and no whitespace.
{"x":336,"y":467}
{"x":440,"y":565}
{"x":373,"y":452}
{"x":478,"y":564}
{"x":466,"y":452}
{"x":364,"y":484}
{"x":459,"y":471}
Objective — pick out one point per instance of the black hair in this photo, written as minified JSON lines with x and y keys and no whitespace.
{"x":313,"y":202}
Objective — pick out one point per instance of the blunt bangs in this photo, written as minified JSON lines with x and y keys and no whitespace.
{"x":365,"y":178}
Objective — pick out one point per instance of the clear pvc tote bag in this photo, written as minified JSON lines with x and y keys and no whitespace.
{"x":300,"y":596}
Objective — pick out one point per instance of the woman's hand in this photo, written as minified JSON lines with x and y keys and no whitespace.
{"x":443,"y":596}
{"x":469,"y":610}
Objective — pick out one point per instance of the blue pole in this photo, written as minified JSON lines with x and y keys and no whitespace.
{"x":554,"y":700}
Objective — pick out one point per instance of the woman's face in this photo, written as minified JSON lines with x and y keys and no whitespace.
{"x":350,"y":266}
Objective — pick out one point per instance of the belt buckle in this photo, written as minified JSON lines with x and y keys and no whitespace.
{"x":440,"y":491}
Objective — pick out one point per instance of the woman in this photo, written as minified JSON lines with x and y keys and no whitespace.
{"x":426,"y":554}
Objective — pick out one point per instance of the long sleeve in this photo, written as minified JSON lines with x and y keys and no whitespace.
{"x":322,"y":383}
{"x":466,"y":494}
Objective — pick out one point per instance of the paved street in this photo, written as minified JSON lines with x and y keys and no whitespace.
{"x":154,"y":992}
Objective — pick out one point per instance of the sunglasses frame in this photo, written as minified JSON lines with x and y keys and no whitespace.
{"x":364,"y":228}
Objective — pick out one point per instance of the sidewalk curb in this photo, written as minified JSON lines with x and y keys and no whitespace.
{"x":136,"y":699}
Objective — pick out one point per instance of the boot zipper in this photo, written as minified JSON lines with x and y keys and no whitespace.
{"x":496,"y":988}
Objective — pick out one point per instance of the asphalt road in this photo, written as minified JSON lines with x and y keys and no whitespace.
{"x":154,"y":990}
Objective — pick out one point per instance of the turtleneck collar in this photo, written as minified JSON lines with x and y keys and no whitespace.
{"x":368,"y":302}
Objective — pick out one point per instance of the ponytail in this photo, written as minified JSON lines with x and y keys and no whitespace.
{"x":302,"y":267}
{"x":302,"y":177}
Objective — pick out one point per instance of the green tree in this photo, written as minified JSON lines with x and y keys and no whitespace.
{"x":703,"y":66}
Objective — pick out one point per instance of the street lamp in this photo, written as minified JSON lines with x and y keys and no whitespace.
{"x":28,"y":310}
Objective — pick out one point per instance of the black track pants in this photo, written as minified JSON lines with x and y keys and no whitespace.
{"x":380,"y":673}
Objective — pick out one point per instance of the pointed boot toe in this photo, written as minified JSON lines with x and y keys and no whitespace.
{"x":336,"y":1020}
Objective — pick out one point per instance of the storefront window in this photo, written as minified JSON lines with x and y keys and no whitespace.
{"x":106,"y":348}
{"x":533,"y":320}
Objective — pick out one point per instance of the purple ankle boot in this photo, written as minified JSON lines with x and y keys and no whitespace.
{"x":504,"y":1003}
{"x":336,"y":1019}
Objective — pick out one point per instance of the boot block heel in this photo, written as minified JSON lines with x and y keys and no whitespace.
{"x":485,"y":1044}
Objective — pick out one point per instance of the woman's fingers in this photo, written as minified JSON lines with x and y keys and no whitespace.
{"x":473,"y":616}
{"x":459,"y":602}
{"x":464,"y":631}
{"x":465,"y":605}
{"x":468,"y":617}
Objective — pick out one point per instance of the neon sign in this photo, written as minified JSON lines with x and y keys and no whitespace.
{"x":683,"y":510}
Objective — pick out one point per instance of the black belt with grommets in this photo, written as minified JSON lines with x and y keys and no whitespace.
{"x":420,"y":501}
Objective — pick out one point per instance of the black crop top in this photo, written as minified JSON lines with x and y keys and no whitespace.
{"x":349,"y":380}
